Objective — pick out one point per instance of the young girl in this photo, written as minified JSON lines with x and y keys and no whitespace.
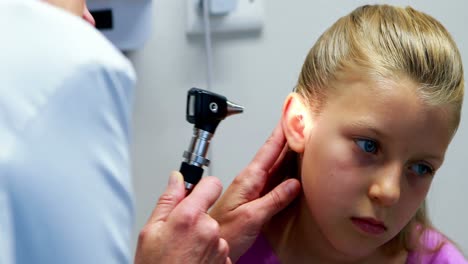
{"x":376,"y":106}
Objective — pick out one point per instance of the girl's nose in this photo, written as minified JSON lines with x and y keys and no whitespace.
{"x":385,"y":188}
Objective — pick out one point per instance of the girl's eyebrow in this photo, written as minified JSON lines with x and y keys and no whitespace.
{"x":368,"y":125}
{"x":438,"y":159}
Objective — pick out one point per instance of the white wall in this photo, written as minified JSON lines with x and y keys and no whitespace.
{"x":258,"y":72}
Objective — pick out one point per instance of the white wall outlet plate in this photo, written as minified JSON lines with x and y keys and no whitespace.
{"x":248,"y":16}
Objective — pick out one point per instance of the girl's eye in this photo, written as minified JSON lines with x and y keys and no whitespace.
{"x":421,"y":169}
{"x":367,"y":145}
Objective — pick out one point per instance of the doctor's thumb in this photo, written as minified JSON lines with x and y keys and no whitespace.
{"x":172,"y":196}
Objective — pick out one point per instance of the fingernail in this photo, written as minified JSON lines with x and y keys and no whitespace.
{"x":174,"y":179}
{"x":291,"y":187}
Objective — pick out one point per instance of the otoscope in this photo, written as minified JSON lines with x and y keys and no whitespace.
{"x":205,"y":110}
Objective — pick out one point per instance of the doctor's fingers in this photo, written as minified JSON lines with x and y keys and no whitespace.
{"x":220,"y":254}
{"x":190,"y":215}
{"x":204,"y":195}
{"x":250,"y":183}
{"x":204,"y":237}
{"x":174,"y":193}
{"x":274,"y":201}
{"x":185,"y":211}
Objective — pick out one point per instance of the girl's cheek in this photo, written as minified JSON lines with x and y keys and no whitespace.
{"x":418,"y":185}
{"x":331,"y":166}
{"x":341,"y":158}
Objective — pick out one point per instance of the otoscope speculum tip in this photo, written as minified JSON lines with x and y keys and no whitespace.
{"x":233,"y":108}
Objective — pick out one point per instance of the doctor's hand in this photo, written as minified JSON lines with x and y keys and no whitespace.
{"x":255,"y":196}
{"x":77,"y":7}
{"x":180,"y":230}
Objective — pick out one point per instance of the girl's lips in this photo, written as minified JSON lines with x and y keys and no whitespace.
{"x":369,"y":225}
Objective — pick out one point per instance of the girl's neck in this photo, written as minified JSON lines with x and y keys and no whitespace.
{"x":295,"y":238}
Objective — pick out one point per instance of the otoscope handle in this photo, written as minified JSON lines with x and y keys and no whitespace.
{"x":192,"y":174}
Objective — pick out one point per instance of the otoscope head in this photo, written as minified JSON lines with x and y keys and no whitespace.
{"x":206,"y":109}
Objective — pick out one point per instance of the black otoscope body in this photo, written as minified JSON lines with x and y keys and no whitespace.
{"x":205,"y":110}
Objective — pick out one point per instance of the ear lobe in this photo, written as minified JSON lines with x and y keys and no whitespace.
{"x":293,"y":121}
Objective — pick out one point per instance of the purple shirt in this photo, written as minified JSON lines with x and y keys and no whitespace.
{"x":261,"y":252}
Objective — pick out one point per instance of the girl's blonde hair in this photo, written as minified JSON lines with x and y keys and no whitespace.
{"x":388,"y":43}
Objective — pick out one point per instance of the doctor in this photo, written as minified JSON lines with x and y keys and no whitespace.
{"x":65,"y":184}
{"x":65,"y":104}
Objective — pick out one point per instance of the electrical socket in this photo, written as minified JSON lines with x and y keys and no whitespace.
{"x":248,"y":16}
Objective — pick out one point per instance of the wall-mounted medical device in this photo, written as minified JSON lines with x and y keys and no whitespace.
{"x":126,"y":23}
{"x":226,"y":16}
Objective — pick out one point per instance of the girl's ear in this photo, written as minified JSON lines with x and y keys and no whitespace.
{"x":294,"y":120}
